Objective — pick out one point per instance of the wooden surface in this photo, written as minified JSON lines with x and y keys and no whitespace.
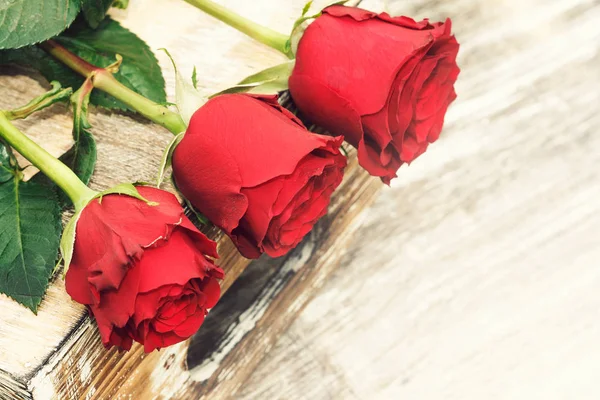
{"x":477,"y":275}
{"x":474,"y":277}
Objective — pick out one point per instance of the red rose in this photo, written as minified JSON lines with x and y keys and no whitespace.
{"x":384,"y":83}
{"x":143,"y":270}
{"x":254,"y":170}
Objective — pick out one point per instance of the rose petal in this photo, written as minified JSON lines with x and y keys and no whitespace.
{"x":174,"y":264}
{"x":113,"y":232}
{"x":155,"y":341}
{"x":147,"y":304}
{"x":117,"y":306}
{"x":340,"y":44}
{"x":261,"y":200}
{"x":191,"y":325}
{"x":194,"y":162}
{"x":203,"y":244}
{"x":339,"y":116}
{"x":212,"y":291}
{"x":77,"y":285}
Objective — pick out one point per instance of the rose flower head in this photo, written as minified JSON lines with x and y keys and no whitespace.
{"x":254,"y":170}
{"x":383,"y":82}
{"x":144,"y":270}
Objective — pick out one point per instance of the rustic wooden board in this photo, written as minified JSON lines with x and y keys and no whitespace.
{"x":476,"y":276}
{"x":224,"y":366}
{"x":68,"y":360}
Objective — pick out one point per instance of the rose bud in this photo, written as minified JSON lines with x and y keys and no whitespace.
{"x":383,"y":82}
{"x":143,"y":270}
{"x":254,"y":170}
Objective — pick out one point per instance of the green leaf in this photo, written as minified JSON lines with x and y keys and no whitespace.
{"x":94,"y":11}
{"x":36,"y":58}
{"x":139,"y":71}
{"x":26,"y":22}
{"x":269,"y":81}
{"x":6,"y":169}
{"x":55,"y":95}
{"x":121,"y":4}
{"x":82,"y":156}
{"x":29,"y":238}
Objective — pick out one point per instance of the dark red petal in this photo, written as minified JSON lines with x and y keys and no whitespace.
{"x":326,"y":108}
{"x":412,"y":149}
{"x":117,"y":306}
{"x":357,"y":60}
{"x":169,"y":324}
{"x":203,"y":244}
{"x":156,"y":341}
{"x":342,"y":11}
{"x":245,"y":243}
{"x":360,"y":15}
{"x":120,"y":338}
{"x":312,"y":165}
{"x":77,"y":285}
{"x":173,"y":264}
{"x":212,"y":291}
{"x":191,"y":325}
{"x":147,"y":304}
{"x":304,"y":210}
{"x":261,"y":200}
{"x":205,"y":171}
{"x":272,"y":101}
{"x":265,"y":143}
{"x":114,"y":231}
{"x":369,"y":158}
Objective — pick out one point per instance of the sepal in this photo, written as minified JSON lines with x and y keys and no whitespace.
{"x":167,"y":158}
{"x":187,"y":98}
{"x":269,"y":81}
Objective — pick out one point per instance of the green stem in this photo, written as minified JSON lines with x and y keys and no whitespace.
{"x":105,"y":81}
{"x":58,"y":172}
{"x":265,"y":35}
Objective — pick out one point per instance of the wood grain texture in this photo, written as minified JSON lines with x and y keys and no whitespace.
{"x":287,"y":292}
{"x":476,"y":275}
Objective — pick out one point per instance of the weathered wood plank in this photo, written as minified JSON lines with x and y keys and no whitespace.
{"x":477,"y":275}
{"x":223,"y":372}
